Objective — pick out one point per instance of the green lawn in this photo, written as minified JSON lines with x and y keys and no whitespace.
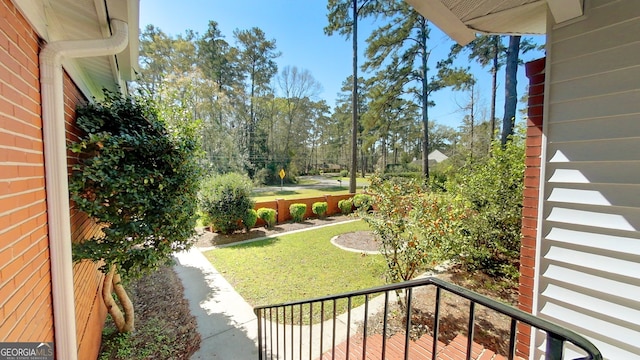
{"x":259,"y":196}
{"x":298,"y":266}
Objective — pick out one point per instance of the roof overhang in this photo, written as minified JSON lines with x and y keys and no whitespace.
{"x":57,"y":20}
{"x":462,"y":19}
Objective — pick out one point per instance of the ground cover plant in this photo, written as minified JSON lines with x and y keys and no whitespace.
{"x":298,"y":266}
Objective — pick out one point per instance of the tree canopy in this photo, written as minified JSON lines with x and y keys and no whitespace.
{"x":259,"y":116}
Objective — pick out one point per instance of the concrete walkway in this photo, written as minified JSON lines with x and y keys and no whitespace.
{"x":226,"y":322}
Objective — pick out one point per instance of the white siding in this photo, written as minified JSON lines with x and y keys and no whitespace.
{"x":589,"y":260}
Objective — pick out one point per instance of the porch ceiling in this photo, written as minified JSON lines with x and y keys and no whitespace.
{"x":462,"y":19}
{"x":56,"y":20}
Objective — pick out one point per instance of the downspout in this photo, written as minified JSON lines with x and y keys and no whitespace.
{"x":56,"y":175}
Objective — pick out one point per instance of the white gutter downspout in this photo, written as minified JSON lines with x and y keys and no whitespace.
{"x":57,"y":182}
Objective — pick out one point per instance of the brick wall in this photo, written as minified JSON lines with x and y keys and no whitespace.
{"x":87,"y":280}
{"x":535,"y":72}
{"x":26,"y":312}
{"x":282,"y":206}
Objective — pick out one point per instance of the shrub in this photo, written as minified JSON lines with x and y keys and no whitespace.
{"x":138,"y":179}
{"x":268,"y":215}
{"x":320,"y":208}
{"x":344,"y":173}
{"x":297,"y":211}
{"x":492,"y":190}
{"x":363,"y":202}
{"x":415,"y":226}
{"x":345,"y":205}
{"x":249,"y":219}
{"x":225,"y":199}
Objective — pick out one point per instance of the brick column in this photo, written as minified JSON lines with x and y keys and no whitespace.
{"x":535,"y":71}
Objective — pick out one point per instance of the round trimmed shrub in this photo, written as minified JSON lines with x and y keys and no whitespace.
{"x":363,"y":202}
{"x":346,"y":206}
{"x":250,"y":218}
{"x":320,"y":208}
{"x":225,"y":199}
{"x":268,"y":216}
{"x":297,"y":211}
{"x":344,"y":173}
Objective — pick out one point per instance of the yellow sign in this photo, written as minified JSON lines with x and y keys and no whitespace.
{"x":282,"y":173}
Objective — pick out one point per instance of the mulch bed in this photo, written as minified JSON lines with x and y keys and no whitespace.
{"x":207,"y":238}
{"x":358,"y":240}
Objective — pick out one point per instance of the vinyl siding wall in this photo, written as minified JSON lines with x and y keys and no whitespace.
{"x":589,"y":255}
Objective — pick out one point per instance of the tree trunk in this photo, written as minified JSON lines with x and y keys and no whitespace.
{"x":354,"y":104}
{"x":112,"y":283}
{"x":425,"y":102}
{"x":494,"y":87}
{"x":510,"y":93}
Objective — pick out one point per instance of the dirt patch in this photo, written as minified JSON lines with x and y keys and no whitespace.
{"x":491,"y":328}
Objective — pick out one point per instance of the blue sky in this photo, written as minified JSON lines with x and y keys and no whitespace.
{"x":297,"y":26}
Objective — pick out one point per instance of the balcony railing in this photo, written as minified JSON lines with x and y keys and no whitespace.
{"x":282,"y":333}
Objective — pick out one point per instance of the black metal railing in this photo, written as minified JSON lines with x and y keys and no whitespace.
{"x":287,"y":331}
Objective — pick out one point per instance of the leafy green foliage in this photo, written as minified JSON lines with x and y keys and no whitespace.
{"x":225,"y":199}
{"x":297,"y":211}
{"x":414,"y":226}
{"x":346,"y":206}
{"x":138,"y":180}
{"x":363,"y":202}
{"x":492,"y":191}
{"x":249,"y":219}
{"x":344,"y":173}
{"x":268,"y":215}
{"x":320,"y":208}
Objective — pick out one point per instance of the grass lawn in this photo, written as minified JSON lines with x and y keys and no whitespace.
{"x":298,"y":194}
{"x":298,"y":266}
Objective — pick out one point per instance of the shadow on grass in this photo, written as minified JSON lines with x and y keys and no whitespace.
{"x":259,"y":243}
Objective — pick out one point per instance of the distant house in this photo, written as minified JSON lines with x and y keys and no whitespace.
{"x":330,"y":167}
{"x":54,"y":55}
{"x":580,"y":258}
{"x":435,"y":157}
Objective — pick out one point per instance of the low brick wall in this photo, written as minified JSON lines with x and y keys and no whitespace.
{"x":282,"y":206}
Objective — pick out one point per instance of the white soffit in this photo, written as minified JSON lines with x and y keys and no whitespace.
{"x":56,"y":20}
{"x":563,"y":10}
{"x":461,"y":19}
{"x":525,"y":19}
{"x":444,"y":19}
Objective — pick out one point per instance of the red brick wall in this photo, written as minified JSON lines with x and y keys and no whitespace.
{"x":87,"y":281}
{"x":535,"y":72}
{"x":26,"y":312}
{"x":282,"y":206}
